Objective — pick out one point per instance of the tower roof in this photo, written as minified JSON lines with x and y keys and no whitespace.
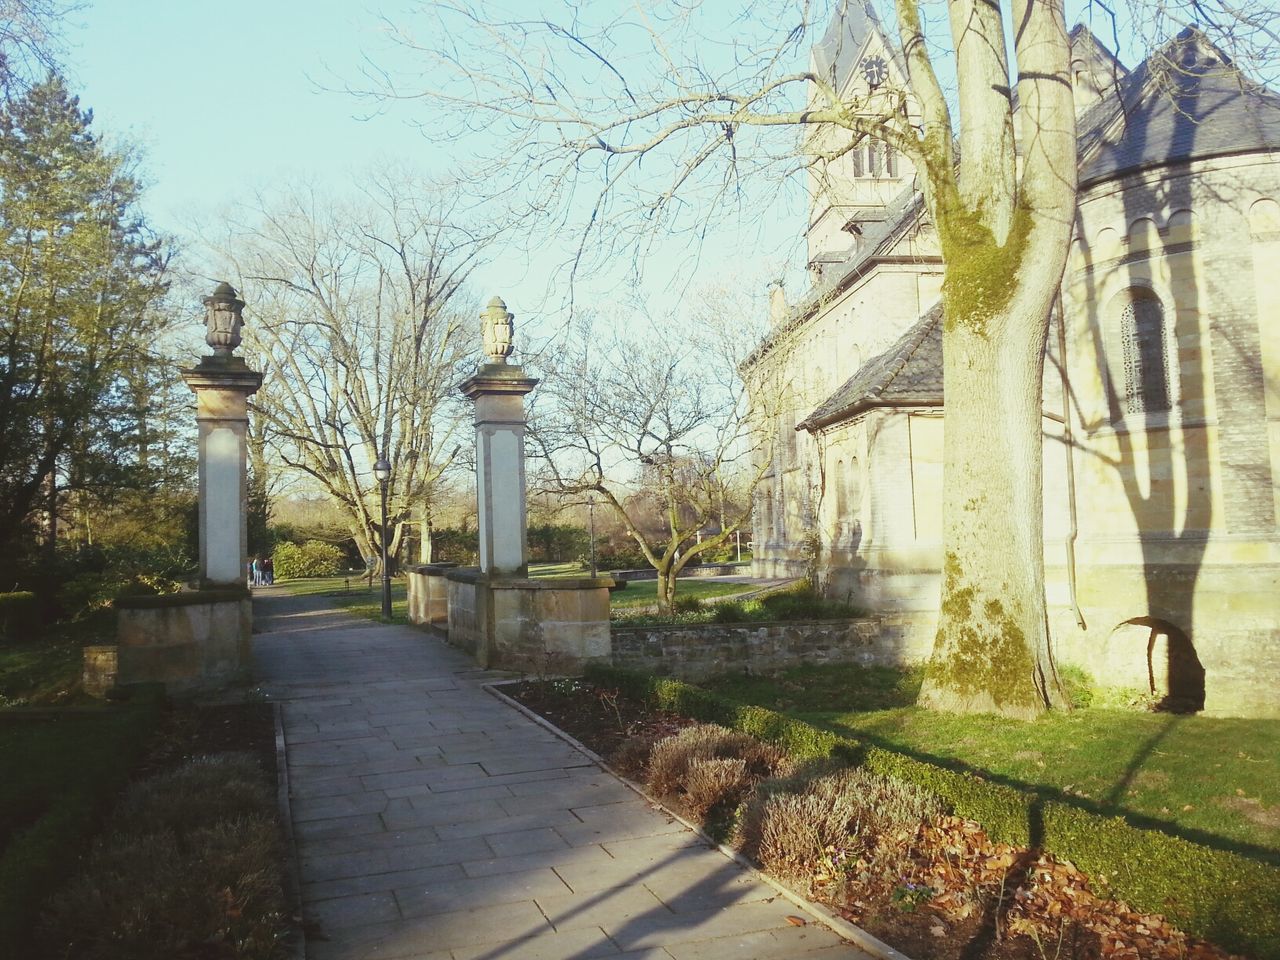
{"x":1186,"y":102}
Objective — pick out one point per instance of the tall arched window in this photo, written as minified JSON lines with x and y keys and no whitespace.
{"x":838,"y":481}
{"x":1147,"y":387}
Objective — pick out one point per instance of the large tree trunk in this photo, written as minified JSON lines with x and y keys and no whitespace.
{"x":992,"y":651}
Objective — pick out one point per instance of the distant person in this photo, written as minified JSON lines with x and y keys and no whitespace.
{"x":257,"y":571}
{"x":249,"y":572}
{"x":269,"y":571}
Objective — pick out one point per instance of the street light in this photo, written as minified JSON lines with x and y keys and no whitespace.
{"x":591,"y":512}
{"x":382,"y":470}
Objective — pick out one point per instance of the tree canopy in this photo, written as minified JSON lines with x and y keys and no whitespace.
{"x":82,"y":278}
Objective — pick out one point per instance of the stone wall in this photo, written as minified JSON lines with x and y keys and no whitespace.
{"x":428,"y":593}
{"x":541,"y":626}
{"x":187,"y":641}
{"x":696,"y":651}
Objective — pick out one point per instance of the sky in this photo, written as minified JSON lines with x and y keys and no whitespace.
{"x":228,"y":98}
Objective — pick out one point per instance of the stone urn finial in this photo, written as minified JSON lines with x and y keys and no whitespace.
{"x":498,"y":330}
{"x":223,"y":319}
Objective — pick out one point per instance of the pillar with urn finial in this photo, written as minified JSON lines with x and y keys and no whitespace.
{"x":498,"y":389}
{"x":223,"y":383}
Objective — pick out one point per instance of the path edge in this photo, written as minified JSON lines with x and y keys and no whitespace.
{"x":838,"y":924}
{"x":296,"y":941}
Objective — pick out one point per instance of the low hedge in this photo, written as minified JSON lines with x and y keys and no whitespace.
{"x":19,"y":615}
{"x":1230,"y":899}
{"x":61,"y":775}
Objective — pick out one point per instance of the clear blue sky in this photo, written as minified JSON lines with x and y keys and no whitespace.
{"x":227,"y":97}
{"x":224,"y":98}
{"x":230,"y":95}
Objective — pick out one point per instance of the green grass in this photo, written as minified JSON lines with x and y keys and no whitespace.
{"x":60,"y":775}
{"x":644,"y":593}
{"x":1212,"y":780}
{"x":353,"y":593}
{"x":47,"y":670}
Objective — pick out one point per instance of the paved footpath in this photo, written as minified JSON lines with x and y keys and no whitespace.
{"x":435,"y":822}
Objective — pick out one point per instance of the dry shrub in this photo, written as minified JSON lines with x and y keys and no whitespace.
{"x":188,"y":869}
{"x":712,"y":782}
{"x":672,"y":756}
{"x":631,"y":758}
{"x":795,"y":825}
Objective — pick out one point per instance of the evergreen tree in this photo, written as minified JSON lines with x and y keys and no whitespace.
{"x":81,"y":277}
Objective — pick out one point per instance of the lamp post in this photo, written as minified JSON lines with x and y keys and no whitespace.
{"x":591,"y":513}
{"x":382,"y":470}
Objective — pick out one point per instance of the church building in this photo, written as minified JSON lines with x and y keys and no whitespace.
{"x":1161,"y":408}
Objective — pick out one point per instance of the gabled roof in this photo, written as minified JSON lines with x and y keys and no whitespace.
{"x":909,"y":373}
{"x":878,"y":238}
{"x":1186,"y":102}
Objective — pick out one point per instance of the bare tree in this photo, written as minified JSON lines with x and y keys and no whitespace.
{"x":29,"y":41}
{"x":357,"y":323}
{"x":653,"y":110}
{"x":655,"y":419}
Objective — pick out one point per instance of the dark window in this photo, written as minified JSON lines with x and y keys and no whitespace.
{"x":1146,"y":361}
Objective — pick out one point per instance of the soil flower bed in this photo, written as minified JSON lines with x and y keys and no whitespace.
{"x":882,"y":854}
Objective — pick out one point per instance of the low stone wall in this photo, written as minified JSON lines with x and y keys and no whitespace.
{"x":696,"y":651}
{"x":538,"y":625}
{"x":428,"y":593}
{"x":187,"y":641}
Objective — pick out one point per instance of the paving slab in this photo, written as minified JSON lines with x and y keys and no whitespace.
{"x":435,"y":822}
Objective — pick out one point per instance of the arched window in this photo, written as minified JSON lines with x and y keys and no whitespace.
{"x":854,"y":488}
{"x":890,"y":161}
{"x":839,"y":483}
{"x":874,"y":158}
{"x":1147,"y":386}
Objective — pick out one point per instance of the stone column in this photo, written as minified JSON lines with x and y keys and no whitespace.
{"x":223,"y":383}
{"x":498,"y":389}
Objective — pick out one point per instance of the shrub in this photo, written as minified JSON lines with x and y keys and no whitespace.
{"x":729,"y":611}
{"x":806,"y":604}
{"x":1229,"y":898}
{"x":686,"y":605}
{"x":59,"y":778}
{"x":315,"y":558}
{"x":190,"y":871}
{"x":673,"y":756}
{"x":19,"y":615}
{"x":719,"y":780}
{"x":793,"y":824}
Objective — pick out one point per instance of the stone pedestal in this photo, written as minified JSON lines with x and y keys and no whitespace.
{"x":222,"y":392}
{"x":498,"y":390}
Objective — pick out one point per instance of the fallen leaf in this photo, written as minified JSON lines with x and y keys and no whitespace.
{"x":796,"y":921}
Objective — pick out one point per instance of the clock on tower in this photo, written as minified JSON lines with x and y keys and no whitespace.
{"x":875,"y":70}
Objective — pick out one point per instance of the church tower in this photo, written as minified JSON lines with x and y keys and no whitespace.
{"x":851,"y":187}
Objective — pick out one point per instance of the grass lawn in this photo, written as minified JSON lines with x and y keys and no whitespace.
{"x":644,"y":593}
{"x":353,"y":593}
{"x":1212,"y":780}
{"x":48,"y":670}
